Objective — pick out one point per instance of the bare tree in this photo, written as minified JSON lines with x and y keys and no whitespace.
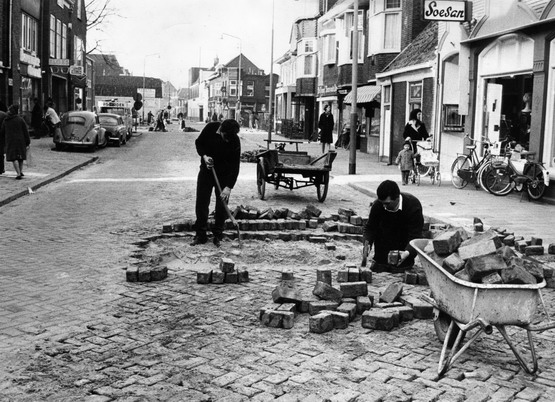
{"x":98,"y":11}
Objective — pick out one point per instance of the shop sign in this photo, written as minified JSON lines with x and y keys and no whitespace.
{"x":445,"y":10}
{"x":33,"y":72}
{"x":58,"y":62}
{"x":76,"y":70}
{"x":28,"y":58}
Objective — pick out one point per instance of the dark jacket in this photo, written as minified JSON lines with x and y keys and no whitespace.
{"x":226,"y":154}
{"x":394,"y":230}
{"x":36,"y":116}
{"x":3,"y":115}
{"x":418,"y":134}
{"x":326,"y":123}
{"x":15,"y":136}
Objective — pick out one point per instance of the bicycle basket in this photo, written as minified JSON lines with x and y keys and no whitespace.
{"x":466,"y":174}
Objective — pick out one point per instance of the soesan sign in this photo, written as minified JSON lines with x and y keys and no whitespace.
{"x":445,"y":10}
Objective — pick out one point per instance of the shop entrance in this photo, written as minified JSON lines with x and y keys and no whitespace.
{"x":515,"y":111}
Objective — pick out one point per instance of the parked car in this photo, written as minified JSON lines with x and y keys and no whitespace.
{"x":121,"y":108}
{"x":116,"y":131}
{"x":81,"y":129}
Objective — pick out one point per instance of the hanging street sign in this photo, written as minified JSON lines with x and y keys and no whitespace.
{"x":447,"y":10}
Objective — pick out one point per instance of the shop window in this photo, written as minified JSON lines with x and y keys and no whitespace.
{"x":415,"y":95}
{"x":233,"y":88}
{"x":452,"y":120}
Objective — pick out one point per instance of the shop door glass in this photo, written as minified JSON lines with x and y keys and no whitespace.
{"x":493,"y":110}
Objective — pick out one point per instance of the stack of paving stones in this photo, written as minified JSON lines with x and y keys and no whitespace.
{"x":227,"y":273}
{"x":136,"y":273}
{"x":494,"y":256}
{"x":255,"y":224}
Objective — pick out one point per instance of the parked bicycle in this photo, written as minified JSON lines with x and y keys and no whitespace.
{"x":517,"y":173}
{"x":469,"y":168}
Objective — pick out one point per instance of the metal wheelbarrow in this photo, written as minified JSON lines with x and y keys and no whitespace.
{"x":460,"y":306}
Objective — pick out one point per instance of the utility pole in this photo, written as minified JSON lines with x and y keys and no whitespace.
{"x":353,"y":140}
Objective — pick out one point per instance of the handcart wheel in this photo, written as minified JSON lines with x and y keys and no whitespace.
{"x":261,"y":178}
{"x":277,"y":177}
{"x":322,"y":183}
{"x":441,"y":325}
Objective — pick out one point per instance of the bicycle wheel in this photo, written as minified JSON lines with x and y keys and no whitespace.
{"x":498,"y":180}
{"x":481,"y":174}
{"x":535,"y":186}
{"x":461,"y":163}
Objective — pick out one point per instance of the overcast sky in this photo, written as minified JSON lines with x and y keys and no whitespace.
{"x":188,"y":33}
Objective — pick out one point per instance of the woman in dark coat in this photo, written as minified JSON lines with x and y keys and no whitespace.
{"x":15,"y":136}
{"x":325,"y":124}
{"x":415,"y":129}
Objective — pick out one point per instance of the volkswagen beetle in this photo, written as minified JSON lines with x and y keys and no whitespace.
{"x":81,"y":129}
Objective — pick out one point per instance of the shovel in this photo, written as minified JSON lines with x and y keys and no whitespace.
{"x":227,"y":208}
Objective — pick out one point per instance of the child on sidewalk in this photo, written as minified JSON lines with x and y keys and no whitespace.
{"x":405,"y":160}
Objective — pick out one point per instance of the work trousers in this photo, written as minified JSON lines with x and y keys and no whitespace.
{"x":205,"y":184}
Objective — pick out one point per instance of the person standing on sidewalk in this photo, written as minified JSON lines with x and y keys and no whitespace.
{"x":3,"y":114}
{"x":219,"y":148}
{"x":325,"y":125}
{"x":15,"y":136}
{"x":395,"y":219}
{"x":405,"y":160}
{"x":36,"y":119}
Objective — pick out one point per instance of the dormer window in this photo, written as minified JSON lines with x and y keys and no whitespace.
{"x":385,"y":23}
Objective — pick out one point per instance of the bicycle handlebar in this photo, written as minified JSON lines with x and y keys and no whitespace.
{"x":484,"y":140}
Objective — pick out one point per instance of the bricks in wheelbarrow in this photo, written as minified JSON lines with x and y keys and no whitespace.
{"x":453,"y":263}
{"x":447,"y":242}
{"x":483,"y":244}
{"x":380,"y":319}
{"x":478,"y":267}
{"x":517,"y":275}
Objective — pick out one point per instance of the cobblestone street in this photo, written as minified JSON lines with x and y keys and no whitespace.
{"x":72,"y":328}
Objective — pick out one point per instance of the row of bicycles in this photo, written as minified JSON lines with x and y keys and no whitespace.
{"x":514,"y":169}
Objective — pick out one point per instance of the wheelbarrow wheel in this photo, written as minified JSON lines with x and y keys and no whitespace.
{"x":322,"y":183}
{"x":441,"y":325}
{"x":261,"y":179}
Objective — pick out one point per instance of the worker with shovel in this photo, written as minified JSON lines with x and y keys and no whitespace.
{"x":219,"y":148}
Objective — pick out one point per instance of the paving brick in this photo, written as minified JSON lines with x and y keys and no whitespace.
{"x":132,"y":273}
{"x":323,"y":275}
{"x":422,"y":309}
{"x":551,"y":248}
{"x":453,"y":263}
{"x":317,"y":239}
{"x":242,"y":275}
{"x":406,"y":313}
{"x":287,"y":275}
{"x":231,"y":277}
{"x":330,"y":227}
{"x":478,"y":267}
{"x":327,"y":292}
{"x":534,"y":250}
{"x":392,"y":292}
{"x":411,"y":278}
{"x":343,"y":275}
{"x":144,"y":274}
{"x":287,"y":319}
{"x":330,"y":246}
{"x":383,"y":320}
{"x":320,"y":323}
{"x":354,"y":289}
{"x":366,"y":274}
{"x":354,"y":274}
{"x":447,"y":242}
{"x":340,"y":319}
{"x":348,"y":308}
{"x":492,"y":279}
{"x":363,"y":303}
{"x":318,"y":306}
{"x":516,"y":275}
{"x":286,"y":294}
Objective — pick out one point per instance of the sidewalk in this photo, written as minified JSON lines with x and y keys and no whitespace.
{"x":43,"y":166}
{"x":444,"y":203}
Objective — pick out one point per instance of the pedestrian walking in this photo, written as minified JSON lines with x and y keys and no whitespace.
{"x":219,"y":148}
{"x":149,"y":117}
{"x":395,"y":219}
{"x":405,"y":160}
{"x":3,"y":114}
{"x":325,"y":125}
{"x":36,"y":119}
{"x":15,"y":137}
{"x":415,"y":130}
{"x":52,"y":120}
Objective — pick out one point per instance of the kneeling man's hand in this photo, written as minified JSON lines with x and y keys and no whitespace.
{"x":403,"y":255}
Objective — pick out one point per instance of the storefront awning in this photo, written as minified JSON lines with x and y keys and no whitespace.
{"x":365,"y":94}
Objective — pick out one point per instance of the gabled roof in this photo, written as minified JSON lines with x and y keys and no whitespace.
{"x":245,"y":63}
{"x":420,"y":50}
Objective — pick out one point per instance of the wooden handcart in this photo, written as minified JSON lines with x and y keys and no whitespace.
{"x":294,"y":170}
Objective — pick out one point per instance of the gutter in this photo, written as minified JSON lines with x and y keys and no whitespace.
{"x":421,"y":66}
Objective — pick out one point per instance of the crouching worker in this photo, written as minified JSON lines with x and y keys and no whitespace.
{"x":395,"y":219}
{"x":219,"y":148}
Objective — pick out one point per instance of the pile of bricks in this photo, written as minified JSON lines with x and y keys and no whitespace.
{"x":227,"y":273}
{"x":491,"y":257}
{"x":135,"y":273}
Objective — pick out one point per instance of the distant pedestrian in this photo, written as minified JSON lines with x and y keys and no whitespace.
{"x":3,"y":114}
{"x":36,"y":119}
{"x":219,"y":148}
{"x":214,"y":117}
{"x":325,"y":125}
{"x":52,"y":120}
{"x":405,"y":160}
{"x":149,"y":117}
{"x":15,"y":137}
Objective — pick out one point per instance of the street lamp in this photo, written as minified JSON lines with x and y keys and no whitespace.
{"x":239,"y":86}
{"x":353,"y":147}
{"x":271,"y":100}
{"x":144,"y":78}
